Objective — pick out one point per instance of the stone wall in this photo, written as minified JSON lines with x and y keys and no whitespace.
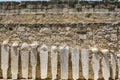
{"x":71,"y":26}
{"x":60,"y":18}
{"x":83,"y":29}
{"x":103,"y":35}
{"x":57,"y":7}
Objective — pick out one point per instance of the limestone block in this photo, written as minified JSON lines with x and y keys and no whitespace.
{"x":4,"y":58}
{"x":25,"y":59}
{"x":14,"y":60}
{"x":113,"y":64}
{"x":75,"y":63}
{"x":33,"y":58}
{"x":119,"y":68}
{"x":118,"y":60}
{"x":44,"y":61}
{"x":85,"y":63}
{"x":95,"y":63}
{"x":105,"y":64}
{"x":64,"y":52}
{"x":54,"y":60}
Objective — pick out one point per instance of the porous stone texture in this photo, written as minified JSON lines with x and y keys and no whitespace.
{"x":58,"y":6}
{"x":60,"y":18}
{"x":83,"y":29}
{"x":103,"y":35}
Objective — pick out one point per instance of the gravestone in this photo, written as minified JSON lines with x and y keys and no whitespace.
{"x":113,"y":64}
{"x":75,"y":63}
{"x":64,"y":53}
{"x":44,"y":61}
{"x":95,"y":63}
{"x":85,"y":63}
{"x":4,"y":58}
{"x":25,"y":59}
{"x":105,"y":64}
{"x":118,"y":55}
{"x":33,"y":58}
{"x":14,"y":60}
{"x":54,"y":60}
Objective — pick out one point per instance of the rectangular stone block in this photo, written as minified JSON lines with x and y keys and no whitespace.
{"x":75,"y":63}
{"x":64,"y":53}
{"x":85,"y":63}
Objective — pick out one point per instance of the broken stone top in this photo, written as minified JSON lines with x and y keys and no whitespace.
{"x":44,"y":47}
{"x":5,"y":42}
{"x":34,"y":45}
{"x":15,"y":44}
{"x":54,"y":49}
{"x":64,"y":47}
{"x":105,"y":51}
{"x":25,"y":46}
{"x":94,"y":50}
{"x":118,"y":55}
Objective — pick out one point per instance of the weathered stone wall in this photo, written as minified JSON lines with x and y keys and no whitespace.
{"x":57,"y":7}
{"x":61,"y":18}
{"x":84,"y":29}
{"x":103,"y":35}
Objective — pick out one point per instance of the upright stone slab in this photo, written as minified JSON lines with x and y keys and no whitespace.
{"x":113,"y":64}
{"x":119,"y":68}
{"x":33,"y":58}
{"x":54,"y":60}
{"x":75,"y":63}
{"x":44,"y":61}
{"x":95,"y":63}
{"x":85,"y":63}
{"x":64,"y":53}
{"x":4,"y":58}
{"x":118,"y":58}
{"x":105,"y":65}
{"x":25,"y":59}
{"x":14,"y":60}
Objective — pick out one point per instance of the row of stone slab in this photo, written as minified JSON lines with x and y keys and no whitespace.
{"x":64,"y":55}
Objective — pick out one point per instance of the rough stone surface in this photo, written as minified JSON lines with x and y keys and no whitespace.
{"x":104,"y":35}
{"x":58,"y":25}
{"x":61,"y":18}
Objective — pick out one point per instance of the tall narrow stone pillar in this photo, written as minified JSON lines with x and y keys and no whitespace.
{"x":25,"y":59}
{"x":33,"y":58}
{"x":95,"y":63}
{"x":44,"y":61}
{"x":118,"y":58}
{"x":75,"y":63}
{"x":4,"y":58}
{"x":85,"y":63}
{"x":105,"y":64}
{"x":14,"y":60}
{"x":54,"y":60}
{"x":64,"y":54}
{"x":113,"y":64}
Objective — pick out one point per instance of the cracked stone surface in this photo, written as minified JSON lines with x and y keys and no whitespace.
{"x":83,"y":29}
